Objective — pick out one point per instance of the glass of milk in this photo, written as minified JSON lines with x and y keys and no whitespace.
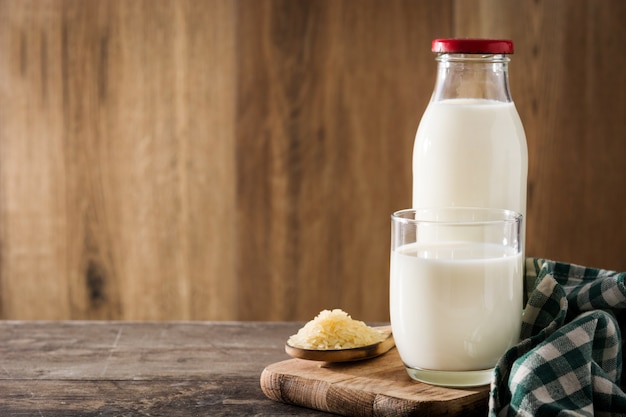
{"x":456,"y":282}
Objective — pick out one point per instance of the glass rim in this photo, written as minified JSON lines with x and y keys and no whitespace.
{"x":444,"y":57}
{"x":502,"y":216}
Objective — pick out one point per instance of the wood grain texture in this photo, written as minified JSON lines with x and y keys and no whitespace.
{"x":329,"y":100}
{"x":117,"y":144}
{"x":239,"y":159}
{"x":33,"y":266}
{"x":95,"y":368}
{"x":375,"y":387}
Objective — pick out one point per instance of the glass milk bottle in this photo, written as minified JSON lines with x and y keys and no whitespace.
{"x":470,"y":148}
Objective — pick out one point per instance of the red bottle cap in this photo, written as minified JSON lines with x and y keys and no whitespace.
{"x":473,"y":46}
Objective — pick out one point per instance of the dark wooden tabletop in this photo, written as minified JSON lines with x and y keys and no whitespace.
{"x":85,"y":368}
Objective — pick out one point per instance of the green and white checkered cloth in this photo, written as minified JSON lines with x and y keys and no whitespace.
{"x":569,"y":360}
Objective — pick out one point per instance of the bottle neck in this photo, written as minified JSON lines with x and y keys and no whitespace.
{"x":472,"y":76}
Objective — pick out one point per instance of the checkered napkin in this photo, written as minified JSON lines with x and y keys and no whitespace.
{"x":569,"y":360}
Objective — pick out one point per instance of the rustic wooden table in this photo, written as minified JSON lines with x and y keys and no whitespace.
{"x":84,"y":368}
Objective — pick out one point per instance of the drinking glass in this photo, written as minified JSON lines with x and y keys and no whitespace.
{"x":456,"y":283}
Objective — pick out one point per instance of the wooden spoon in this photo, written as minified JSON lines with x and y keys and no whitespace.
{"x":345,"y":355}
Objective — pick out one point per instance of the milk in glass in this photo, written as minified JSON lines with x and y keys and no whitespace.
{"x":455,"y":306}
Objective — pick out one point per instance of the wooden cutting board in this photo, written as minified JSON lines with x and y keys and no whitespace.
{"x":375,"y":387}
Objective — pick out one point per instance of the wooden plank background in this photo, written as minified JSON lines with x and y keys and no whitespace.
{"x":239,"y":159}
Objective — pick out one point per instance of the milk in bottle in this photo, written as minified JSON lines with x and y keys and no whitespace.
{"x":470,"y":148}
{"x":456,"y":284}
